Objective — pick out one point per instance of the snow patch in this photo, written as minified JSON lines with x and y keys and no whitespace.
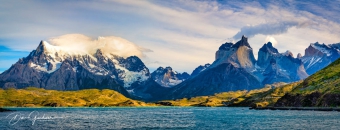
{"x":44,"y":67}
{"x":130,"y":77}
{"x":322,"y":49}
{"x":311,"y":61}
{"x":173,"y":82}
{"x":130,"y":91}
{"x":38,"y":67}
{"x":75,"y":69}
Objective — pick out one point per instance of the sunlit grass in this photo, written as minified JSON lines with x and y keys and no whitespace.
{"x":36,"y":97}
{"x":220,"y":99}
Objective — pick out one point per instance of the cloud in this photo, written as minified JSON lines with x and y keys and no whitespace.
{"x":272,"y":40}
{"x":270,"y":28}
{"x":80,"y":43}
{"x":182,"y":34}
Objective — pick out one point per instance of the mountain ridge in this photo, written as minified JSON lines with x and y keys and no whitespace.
{"x":53,"y":67}
{"x":50,"y":67}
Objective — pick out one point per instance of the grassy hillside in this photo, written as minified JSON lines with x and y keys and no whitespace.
{"x":35,"y":97}
{"x":237,"y":98}
{"x":321,"y":89}
{"x":326,"y":80}
{"x":267,"y":98}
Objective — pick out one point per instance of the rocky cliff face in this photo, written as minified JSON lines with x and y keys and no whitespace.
{"x":230,"y":71}
{"x":51,"y":67}
{"x":273,"y":74}
{"x":279,"y":67}
{"x":239,"y":54}
{"x":166,"y":77}
{"x":266,"y":53}
{"x":235,"y":68}
{"x":318,"y":56}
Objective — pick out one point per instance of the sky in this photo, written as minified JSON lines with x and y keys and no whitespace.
{"x":182,"y":34}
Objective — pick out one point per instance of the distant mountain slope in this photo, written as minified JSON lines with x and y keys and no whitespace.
{"x":222,"y":78}
{"x":199,"y":69}
{"x":166,"y":77}
{"x":279,"y":67}
{"x":318,"y":56}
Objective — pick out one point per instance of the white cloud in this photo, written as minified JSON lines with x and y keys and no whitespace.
{"x":108,"y":44}
{"x":270,"y":28}
{"x":272,"y":40}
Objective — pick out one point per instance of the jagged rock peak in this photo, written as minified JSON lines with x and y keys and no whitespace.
{"x":314,"y":50}
{"x":288,"y":53}
{"x":160,"y":68}
{"x":165,"y":70}
{"x":166,"y":77}
{"x":269,"y":48}
{"x":168,"y":68}
{"x":242,"y":42}
{"x":41,"y":48}
{"x":299,"y":56}
{"x":243,"y":37}
{"x":99,"y":51}
{"x":226,"y":46}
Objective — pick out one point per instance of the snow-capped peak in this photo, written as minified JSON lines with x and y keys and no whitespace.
{"x":322,"y":47}
{"x":167,"y":77}
{"x":49,"y":58}
{"x":59,"y":52}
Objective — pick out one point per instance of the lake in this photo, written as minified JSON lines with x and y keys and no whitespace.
{"x":166,"y":118}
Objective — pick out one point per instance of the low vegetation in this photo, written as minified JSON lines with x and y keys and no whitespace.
{"x":36,"y":97}
{"x":321,"y":89}
{"x":323,"y":81}
{"x":237,"y":98}
{"x":267,"y":98}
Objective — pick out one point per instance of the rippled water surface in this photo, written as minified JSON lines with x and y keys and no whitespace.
{"x":166,"y":118}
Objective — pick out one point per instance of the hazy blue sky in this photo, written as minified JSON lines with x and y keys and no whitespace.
{"x":181,"y":33}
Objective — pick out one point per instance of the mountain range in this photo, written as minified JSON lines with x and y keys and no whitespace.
{"x":234,"y":68}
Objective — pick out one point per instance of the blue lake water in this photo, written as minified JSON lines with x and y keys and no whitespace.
{"x":166,"y":118}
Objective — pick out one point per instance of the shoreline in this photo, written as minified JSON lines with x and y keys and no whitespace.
{"x":298,"y":108}
{"x":4,"y":109}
